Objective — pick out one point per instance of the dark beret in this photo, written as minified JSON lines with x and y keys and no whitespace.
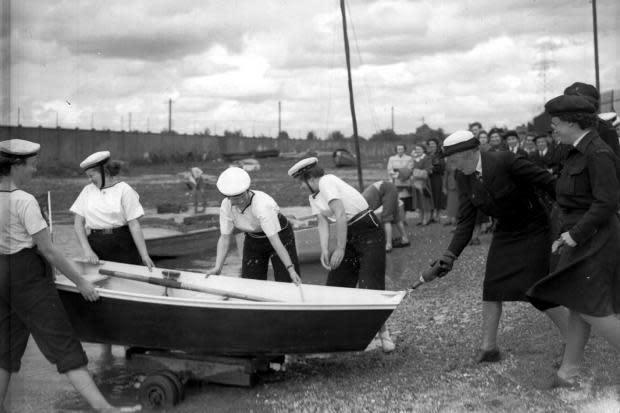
{"x":583,"y":89}
{"x":511,"y":133}
{"x":568,"y":104}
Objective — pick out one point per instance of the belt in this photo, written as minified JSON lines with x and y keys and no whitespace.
{"x":108,"y":231}
{"x":261,"y":234}
{"x":358,"y":216}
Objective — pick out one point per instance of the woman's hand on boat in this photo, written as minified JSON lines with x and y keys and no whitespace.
{"x":295,"y":277}
{"x":336,"y":257}
{"x":91,"y":257}
{"x":325,"y":260}
{"x":148,"y":262}
{"x":213,"y":271}
{"x":88,"y":291}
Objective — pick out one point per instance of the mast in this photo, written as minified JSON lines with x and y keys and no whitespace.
{"x":351,"y":102}
{"x":598,"y":83}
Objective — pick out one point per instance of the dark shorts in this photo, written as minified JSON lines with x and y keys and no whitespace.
{"x":363,"y":264}
{"x":257,"y":251}
{"x":29,"y":304}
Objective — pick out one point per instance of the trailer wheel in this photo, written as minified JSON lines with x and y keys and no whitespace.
{"x":158,"y":391}
{"x":177,"y":382}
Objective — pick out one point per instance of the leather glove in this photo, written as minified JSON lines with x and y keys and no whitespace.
{"x":439,"y":267}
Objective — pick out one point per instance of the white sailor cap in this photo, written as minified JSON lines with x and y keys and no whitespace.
{"x":18,"y":148}
{"x":233,"y":181}
{"x":97,"y":158}
{"x":608,"y":116}
{"x":459,"y":141}
{"x":302,"y":166}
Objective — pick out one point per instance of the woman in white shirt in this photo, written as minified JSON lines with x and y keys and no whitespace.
{"x":268,"y":234}
{"x":29,"y":301}
{"x":399,"y":169}
{"x":359,"y":256}
{"x":106,"y":215}
{"x":106,"y":219}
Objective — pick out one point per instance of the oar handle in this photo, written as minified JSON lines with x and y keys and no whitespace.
{"x":166,"y":282}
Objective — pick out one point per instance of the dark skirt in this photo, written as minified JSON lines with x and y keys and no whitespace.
{"x":517,"y":260}
{"x":587,"y":278}
{"x":117,"y":246}
{"x":439,"y":198}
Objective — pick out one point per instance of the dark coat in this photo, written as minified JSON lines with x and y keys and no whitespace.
{"x":519,"y":252}
{"x":587,"y":278}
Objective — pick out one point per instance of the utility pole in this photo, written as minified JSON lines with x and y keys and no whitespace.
{"x":129,"y":123}
{"x":19,"y":110}
{"x":279,"y":117}
{"x":169,"y":115}
{"x":351,"y":102}
{"x":92,"y":120}
{"x":392,"y":118}
{"x":56,"y":118}
{"x":598,"y":83}
{"x":122,"y":122}
{"x":148,"y":122}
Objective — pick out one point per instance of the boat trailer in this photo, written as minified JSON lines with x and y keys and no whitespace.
{"x":167,"y":372}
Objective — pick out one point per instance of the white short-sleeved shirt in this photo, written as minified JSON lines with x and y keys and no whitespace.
{"x":108,"y":208}
{"x":21,"y":219}
{"x":260,"y":216}
{"x":331,"y":187}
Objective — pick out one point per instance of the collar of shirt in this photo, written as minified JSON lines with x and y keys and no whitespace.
{"x":543,"y":152}
{"x":579,"y":139}
{"x":479,"y":165}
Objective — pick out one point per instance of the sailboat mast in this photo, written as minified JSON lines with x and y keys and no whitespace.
{"x":351,"y":102}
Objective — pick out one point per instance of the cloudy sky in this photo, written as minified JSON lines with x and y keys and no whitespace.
{"x":227,"y":63}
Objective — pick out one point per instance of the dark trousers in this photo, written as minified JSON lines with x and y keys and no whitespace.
{"x":116,"y":246}
{"x":257,"y":251}
{"x":29,"y":304}
{"x":364,"y":257}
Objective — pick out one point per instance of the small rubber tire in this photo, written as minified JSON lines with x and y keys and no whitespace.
{"x":158,"y":391}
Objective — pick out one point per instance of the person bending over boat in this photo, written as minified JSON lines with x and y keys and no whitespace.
{"x":502,"y":186}
{"x":268,"y":234}
{"x":383,"y":195}
{"x":29,"y":301}
{"x":359,"y":256}
{"x":106,"y":218}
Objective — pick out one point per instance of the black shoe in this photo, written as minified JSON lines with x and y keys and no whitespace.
{"x":487,"y":356}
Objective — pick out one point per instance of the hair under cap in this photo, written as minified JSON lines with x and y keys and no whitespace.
{"x":233,"y":181}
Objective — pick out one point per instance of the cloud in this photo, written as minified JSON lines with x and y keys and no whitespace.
{"x":226,"y":64}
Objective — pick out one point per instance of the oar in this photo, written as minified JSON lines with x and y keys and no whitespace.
{"x":183,"y":286}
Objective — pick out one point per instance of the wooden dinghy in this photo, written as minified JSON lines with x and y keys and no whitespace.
{"x":232,"y":317}
{"x":169,"y":242}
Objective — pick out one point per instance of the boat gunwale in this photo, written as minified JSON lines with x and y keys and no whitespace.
{"x":237,"y":303}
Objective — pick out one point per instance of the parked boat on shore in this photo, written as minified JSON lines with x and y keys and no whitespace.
{"x":290,"y":320}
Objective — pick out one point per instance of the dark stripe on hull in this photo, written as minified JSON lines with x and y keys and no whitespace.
{"x":221,"y":331}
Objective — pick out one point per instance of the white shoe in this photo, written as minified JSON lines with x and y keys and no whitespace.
{"x":386,"y":342}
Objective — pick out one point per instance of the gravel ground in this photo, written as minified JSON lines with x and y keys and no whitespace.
{"x":436,"y":329}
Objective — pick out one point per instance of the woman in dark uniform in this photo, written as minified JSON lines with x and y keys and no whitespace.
{"x":502,"y":186}
{"x":29,"y":302}
{"x":587,"y":278}
{"x":106,"y":219}
{"x":268,"y":234}
{"x":359,"y":256}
